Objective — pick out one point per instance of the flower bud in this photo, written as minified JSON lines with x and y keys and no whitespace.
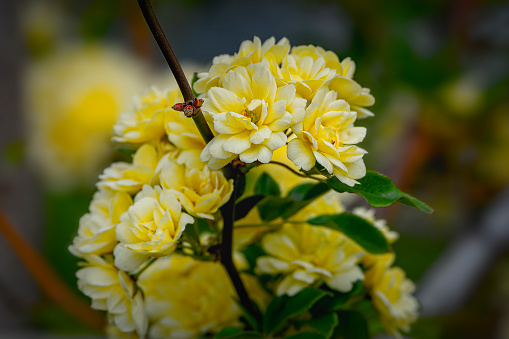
{"x":188,"y":110}
{"x":178,"y":106}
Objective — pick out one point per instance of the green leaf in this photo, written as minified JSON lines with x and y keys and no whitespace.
{"x":307,"y":335}
{"x":266,"y":185}
{"x":243,"y":207}
{"x":356,"y":228}
{"x":352,"y":325}
{"x":379,"y":191}
{"x":283,"y":308}
{"x":195,"y":78}
{"x":235,"y":333}
{"x":303,"y":195}
{"x":253,"y":320}
{"x":324,"y":324}
{"x":271,"y":208}
{"x":334,"y":303}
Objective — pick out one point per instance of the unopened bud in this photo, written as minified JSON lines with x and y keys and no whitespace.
{"x":178,"y":107}
{"x":188,"y":110}
{"x":198,"y":102}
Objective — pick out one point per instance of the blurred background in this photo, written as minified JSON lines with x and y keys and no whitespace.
{"x":439,"y":71}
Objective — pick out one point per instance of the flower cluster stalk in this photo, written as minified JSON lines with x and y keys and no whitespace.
{"x":228,"y":210}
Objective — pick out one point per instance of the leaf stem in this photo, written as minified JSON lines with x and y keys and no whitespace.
{"x":295,"y":172}
{"x":171,"y":59}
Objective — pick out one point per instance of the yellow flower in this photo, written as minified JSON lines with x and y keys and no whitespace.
{"x":327,"y":136}
{"x":250,"y":52}
{"x":96,"y":233}
{"x":73,"y":97}
{"x":187,"y":298}
{"x":349,"y":90}
{"x":393,"y":299}
{"x":304,"y":254}
{"x":150,"y":228}
{"x":201,"y":192}
{"x":113,"y":291}
{"x":185,"y":137}
{"x":130,"y":178}
{"x":250,"y":116}
{"x":147,"y":121}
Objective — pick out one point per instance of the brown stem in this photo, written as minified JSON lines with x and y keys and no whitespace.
{"x":228,"y":213}
{"x":228,"y":210}
{"x":171,"y":59}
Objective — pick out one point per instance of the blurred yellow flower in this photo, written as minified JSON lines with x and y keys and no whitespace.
{"x":130,"y":177}
{"x":96,"y":232}
{"x":73,"y":97}
{"x":393,"y":299}
{"x":187,"y":298}
{"x":147,"y":121}
{"x":113,"y":291}
{"x":201,"y":192}
{"x":327,"y":136}
{"x":150,"y":228}
{"x":305,"y":254}
{"x":250,"y":116}
{"x":250,"y":52}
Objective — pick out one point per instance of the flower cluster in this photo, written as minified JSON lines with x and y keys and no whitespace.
{"x":152,"y":242}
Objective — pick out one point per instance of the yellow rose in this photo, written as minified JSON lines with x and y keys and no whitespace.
{"x":304,"y":254}
{"x":130,"y":177}
{"x":250,"y":116}
{"x":201,"y":192}
{"x":147,"y":121}
{"x":250,"y":52}
{"x":113,"y":291}
{"x":96,"y":232}
{"x":188,"y":298}
{"x":150,"y":228}
{"x":327,"y":136}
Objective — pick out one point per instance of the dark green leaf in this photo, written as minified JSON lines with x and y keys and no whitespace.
{"x":307,"y":335}
{"x":356,"y":228}
{"x":303,"y":195}
{"x":229,"y":333}
{"x":253,"y":320}
{"x":352,"y":325}
{"x":243,"y":207}
{"x":283,"y":308}
{"x":334,"y":303}
{"x":324,"y":324}
{"x":379,"y":191}
{"x":266,"y":185}
{"x":271,"y":208}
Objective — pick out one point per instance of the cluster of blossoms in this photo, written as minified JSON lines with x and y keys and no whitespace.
{"x":148,"y":242}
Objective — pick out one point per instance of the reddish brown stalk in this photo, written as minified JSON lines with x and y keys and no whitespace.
{"x":48,"y":280}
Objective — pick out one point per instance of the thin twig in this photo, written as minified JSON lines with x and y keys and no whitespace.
{"x":228,"y":212}
{"x":171,"y":59}
{"x":295,"y":172}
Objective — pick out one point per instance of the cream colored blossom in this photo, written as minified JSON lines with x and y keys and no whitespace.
{"x":150,"y":228}
{"x":250,"y":52}
{"x":72,"y":98}
{"x":304,"y":254}
{"x":327,"y":136}
{"x":147,"y":121}
{"x":113,"y":291}
{"x":250,"y":116}
{"x":130,"y":177}
{"x":393,"y":299}
{"x":349,"y":90}
{"x":187,"y":298}
{"x":201,"y":192}
{"x":185,"y":137}
{"x":96,"y":232}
